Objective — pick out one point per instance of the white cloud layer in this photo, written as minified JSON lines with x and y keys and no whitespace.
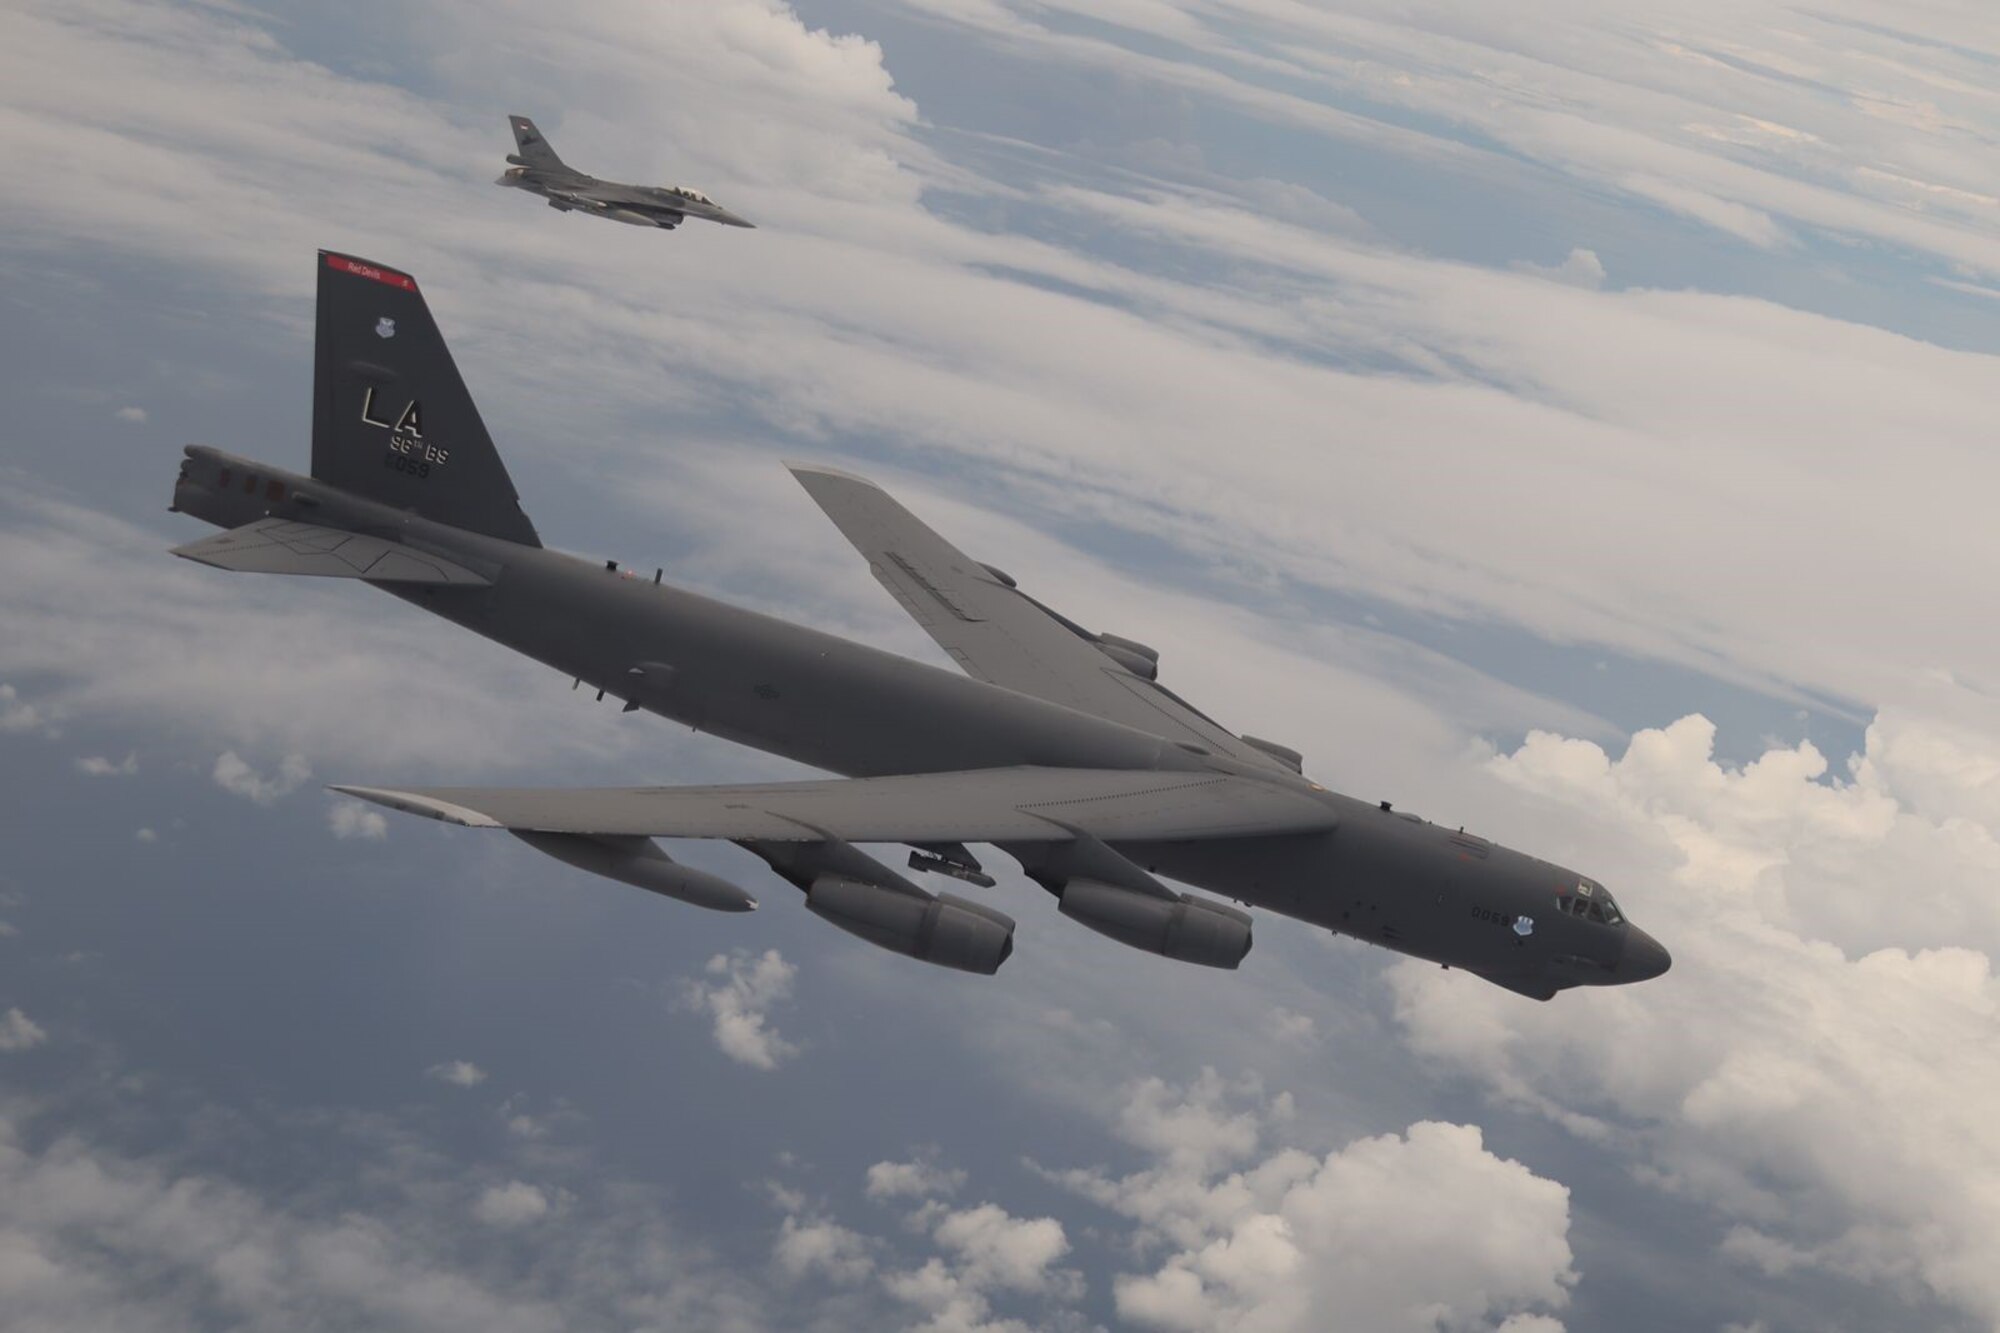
{"x":92,"y":1238}
{"x":1397,"y":1232}
{"x":1819,"y":1067}
{"x":738,"y":995}
{"x":97,"y":766}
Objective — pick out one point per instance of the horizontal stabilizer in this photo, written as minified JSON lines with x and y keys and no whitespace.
{"x":285,"y":546}
{"x":980,"y":805}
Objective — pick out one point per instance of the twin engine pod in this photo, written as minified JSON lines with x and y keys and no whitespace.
{"x":947,"y":930}
{"x":852,"y":890}
{"x":1185,"y":928}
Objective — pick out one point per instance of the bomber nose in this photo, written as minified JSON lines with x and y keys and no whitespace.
{"x":1644,"y":957}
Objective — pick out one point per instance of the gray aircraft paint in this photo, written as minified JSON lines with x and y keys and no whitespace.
{"x":416,"y":469}
{"x":536,"y":169}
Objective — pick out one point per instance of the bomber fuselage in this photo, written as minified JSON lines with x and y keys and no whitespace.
{"x":1382,"y":875}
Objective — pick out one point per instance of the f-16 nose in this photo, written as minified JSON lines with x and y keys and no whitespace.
{"x":1644,"y":957}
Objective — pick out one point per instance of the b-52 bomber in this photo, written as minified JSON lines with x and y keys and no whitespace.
{"x":1058,"y":746}
{"x":538,"y":170}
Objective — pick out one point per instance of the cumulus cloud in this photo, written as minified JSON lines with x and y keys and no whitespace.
{"x":1817,"y":1069}
{"x":235,"y":775}
{"x":513,"y":1204}
{"x":458,"y":1073}
{"x":135,"y":415}
{"x":1274,"y":1239}
{"x":818,"y":1246}
{"x":739,"y":991}
{"x":145,"y":835}
{"x":97,"y":766}
{"x":18,"y":1032}
{"x":349,"y":818}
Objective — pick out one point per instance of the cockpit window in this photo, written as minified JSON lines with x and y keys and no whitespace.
{"x":1590,"y":901}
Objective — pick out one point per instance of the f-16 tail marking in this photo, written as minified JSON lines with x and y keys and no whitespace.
{"x":392,"y":420}
{"x":531,"y":148}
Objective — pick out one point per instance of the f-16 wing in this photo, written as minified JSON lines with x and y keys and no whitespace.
{"x":1003,"y":636}
{"x":981,"y":805}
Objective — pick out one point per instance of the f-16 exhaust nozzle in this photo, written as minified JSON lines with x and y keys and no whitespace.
{"x":946,"y":930}
{"x":639,"y":862}
{"x":1188,"y":929}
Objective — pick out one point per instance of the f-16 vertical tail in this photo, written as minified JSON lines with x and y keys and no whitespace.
{"x":530,"y":148}
{"x":392,"y":420}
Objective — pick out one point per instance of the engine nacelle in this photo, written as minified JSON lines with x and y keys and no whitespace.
{"x":1134,"y":656}
{"x":946,"y":930}
{"x":1188,"y":929}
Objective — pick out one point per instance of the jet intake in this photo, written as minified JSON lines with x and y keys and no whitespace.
{"x":946,"y":930}
{"x":1188,"y":929}
{"x":1134,"y":656}
{"x":639,"y":862}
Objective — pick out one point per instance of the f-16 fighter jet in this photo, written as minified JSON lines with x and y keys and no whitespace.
{"x":1059,"y":746}
{"x":538,"y":170}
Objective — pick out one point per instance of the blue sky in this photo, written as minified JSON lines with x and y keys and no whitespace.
{"x":1571,"y":429}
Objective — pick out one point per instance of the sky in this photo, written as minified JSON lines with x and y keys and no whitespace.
{"x":1570,"y":424}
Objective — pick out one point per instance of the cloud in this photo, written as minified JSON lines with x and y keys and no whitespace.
{"x":458,"y":1073}
{"x":17,"y":716}
{"x":1581,"y":269}
{"x":349,"y":818}
{"x":145,"y":835}
{"x":97,"y":766}
{"x":8,"y":930}
{"x":1816,"y":1070}
{"x":18,"y":1032}
{"x":996,"y":1249}
{"x":95,"y":1238}
{"x":135,"y":415}
{"x":234,"y":775}
{"x":818,"y":1246}
{"x":920,"y":1179}
{"x":743,"y":988}
{"x":1272,"y":1240}
{"x":514,"y":1204}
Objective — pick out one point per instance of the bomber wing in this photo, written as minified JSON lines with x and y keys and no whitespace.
{"x":287,"y":546}
{"x":999,"y":634}
{"x":980,"y":805}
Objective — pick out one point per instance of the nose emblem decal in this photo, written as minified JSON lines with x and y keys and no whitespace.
{"x":1524,"y":926}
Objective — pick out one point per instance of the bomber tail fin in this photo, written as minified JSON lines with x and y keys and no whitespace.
{"x":392,"y":420}
{"x":531,"y":149}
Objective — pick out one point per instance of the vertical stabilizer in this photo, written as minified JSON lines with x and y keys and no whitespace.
{"x":531,"y":149}
{"x":392,"y":421}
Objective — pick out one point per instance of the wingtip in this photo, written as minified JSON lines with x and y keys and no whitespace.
{"x":802,"y":470}
{"x":415,"y":803}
